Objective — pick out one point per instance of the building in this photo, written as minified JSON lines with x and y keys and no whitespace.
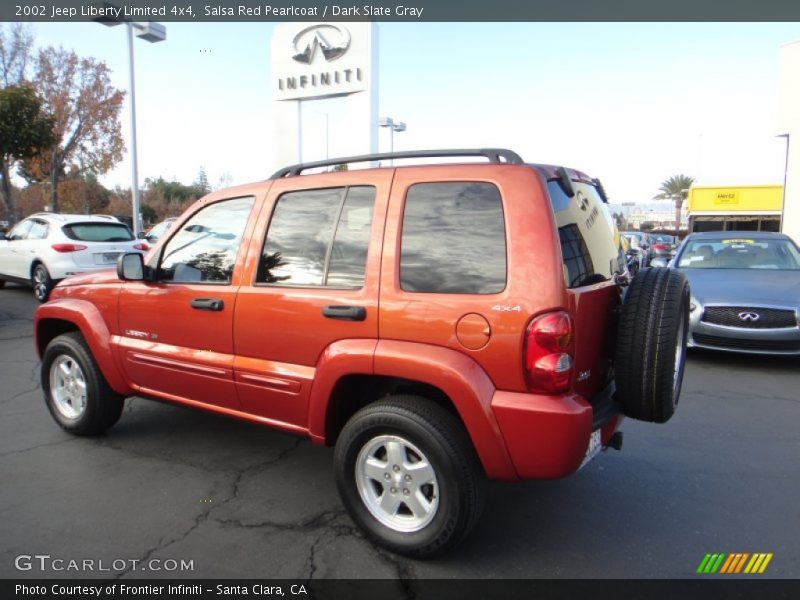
{"x":741,"y":208}
{"x":789,"y":124}
{"x":660,"y":214}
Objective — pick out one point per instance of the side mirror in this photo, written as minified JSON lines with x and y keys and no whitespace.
{"x":658,"y":261}
{"x":141,"y":235}
{"x":130,"y":267}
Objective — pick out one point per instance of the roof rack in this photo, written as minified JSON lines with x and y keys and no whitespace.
{"x":495,"y":155}
{"x":52,"y":215}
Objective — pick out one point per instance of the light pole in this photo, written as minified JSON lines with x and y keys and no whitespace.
{"x":393,"y":126}
{"x":151,"y":32}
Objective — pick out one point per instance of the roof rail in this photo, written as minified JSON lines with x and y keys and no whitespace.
{"x":109,"y":217}
{"x":495,"y":155}
{"x":48,"y":214}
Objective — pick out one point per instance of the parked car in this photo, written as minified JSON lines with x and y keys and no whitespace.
{"x":639,"y":246}
{"x":663,"y":245}
{"x":745,"y":291}
{"x":158,"y":230}
{"x":437,"y":324}
{"x":45,"y":248}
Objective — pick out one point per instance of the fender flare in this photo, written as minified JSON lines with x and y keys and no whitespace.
{"x":457,"y":375}
{"x":87,"y":318}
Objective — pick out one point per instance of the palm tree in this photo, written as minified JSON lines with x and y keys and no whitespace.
{"x":675,"y":188}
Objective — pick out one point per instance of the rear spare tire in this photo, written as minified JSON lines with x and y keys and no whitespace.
{"x":651,"y":344}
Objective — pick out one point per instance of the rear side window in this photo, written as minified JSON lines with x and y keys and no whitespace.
{"x":454,"y":239}
{"x":98,"y":232}
{"x":319,"y":238}
{"x":577,"y":260}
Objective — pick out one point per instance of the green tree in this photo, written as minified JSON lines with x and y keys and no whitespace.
{"x":676,"y":188}
{"x":25,"y":130}
{"x":646,"y":226}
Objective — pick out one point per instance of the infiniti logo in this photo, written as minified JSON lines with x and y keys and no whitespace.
{"x":332,"y":40}
{"x":749,"y":316}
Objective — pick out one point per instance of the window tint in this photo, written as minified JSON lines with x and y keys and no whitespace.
{"x":577,"y":260}
{"x":205,"y":248}
{"x":319,"y":238}
{"x":453,"y":239}
{"x":98,"y":232}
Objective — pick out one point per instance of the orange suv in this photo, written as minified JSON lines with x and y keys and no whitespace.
{"x":439,"y":325}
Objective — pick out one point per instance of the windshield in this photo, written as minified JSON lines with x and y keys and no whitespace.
{"x":664,"y":239}
{"x":740,"y":253}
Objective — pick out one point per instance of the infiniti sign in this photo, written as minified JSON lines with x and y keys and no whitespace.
{"x":332,"y":40}
{"x":749,"y":316}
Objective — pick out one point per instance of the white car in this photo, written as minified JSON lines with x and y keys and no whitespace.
{"x":47,"y":247}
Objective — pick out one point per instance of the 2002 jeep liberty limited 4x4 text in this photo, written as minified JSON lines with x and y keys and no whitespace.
{"x":438,"y":324}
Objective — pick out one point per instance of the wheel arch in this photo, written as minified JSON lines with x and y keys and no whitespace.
{"x":354,"y":373}
{"x":62,"y":316}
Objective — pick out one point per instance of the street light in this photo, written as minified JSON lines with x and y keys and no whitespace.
{"x":151,"y":32}
{"x":393,"y":126}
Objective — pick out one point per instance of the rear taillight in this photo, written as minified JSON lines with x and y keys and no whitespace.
{"x":548,"y":365}
{"x":141,"y":246}
{"x":660,"y":247}
{"x":68,"y":247}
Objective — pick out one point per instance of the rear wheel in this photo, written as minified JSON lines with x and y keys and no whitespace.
{"x":77,"y":394}
{"x":651,"y":344}
{"x":408,"y":475}
{"x":42,"y":283}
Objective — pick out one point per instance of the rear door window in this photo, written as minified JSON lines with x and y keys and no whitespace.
{"x":319,"y":238}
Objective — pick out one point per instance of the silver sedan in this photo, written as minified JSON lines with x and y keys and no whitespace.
{"x":745,"y":288}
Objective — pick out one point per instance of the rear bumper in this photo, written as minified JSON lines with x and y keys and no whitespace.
{"x":547,"y":436}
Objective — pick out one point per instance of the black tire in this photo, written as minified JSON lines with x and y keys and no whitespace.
{"x":651,"y":344}
{"x":459,"y":491}
{"x":2,"y":283}
{"x":100,"y":407}
{"x":42,"y":282}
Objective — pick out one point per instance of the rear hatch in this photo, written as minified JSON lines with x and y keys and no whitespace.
{"x":104,"y":242}
{"x":592,"y":256}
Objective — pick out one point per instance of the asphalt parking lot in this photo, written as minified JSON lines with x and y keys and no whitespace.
{"x":238,"y":500}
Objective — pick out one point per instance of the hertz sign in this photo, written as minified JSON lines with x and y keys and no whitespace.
{"x":754,"y":199}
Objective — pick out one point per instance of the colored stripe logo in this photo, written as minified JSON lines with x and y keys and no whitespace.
{"x":735,"y":563}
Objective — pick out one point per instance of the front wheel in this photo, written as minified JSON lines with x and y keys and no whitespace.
{"x":408,"y":475}
{"x":77,"y":394}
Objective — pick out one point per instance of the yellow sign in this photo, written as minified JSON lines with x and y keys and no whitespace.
{"x":732,"y":200}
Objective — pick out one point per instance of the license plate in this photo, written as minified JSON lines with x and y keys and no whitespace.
{"x":594,"y":447}
{"x":110,"y":257}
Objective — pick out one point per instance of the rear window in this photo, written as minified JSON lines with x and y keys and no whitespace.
{"x":98,"y":232}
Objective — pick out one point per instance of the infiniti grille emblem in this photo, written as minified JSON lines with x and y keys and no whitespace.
{"x":749,"y":316}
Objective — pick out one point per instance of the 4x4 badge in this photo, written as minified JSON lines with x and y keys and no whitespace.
{"x":506,"y":308}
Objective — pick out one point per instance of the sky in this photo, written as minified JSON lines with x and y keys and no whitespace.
{"x":629,"y":103}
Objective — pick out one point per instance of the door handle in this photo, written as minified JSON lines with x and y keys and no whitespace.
{"x":345,"y":313}
{"x":208,"y":304}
